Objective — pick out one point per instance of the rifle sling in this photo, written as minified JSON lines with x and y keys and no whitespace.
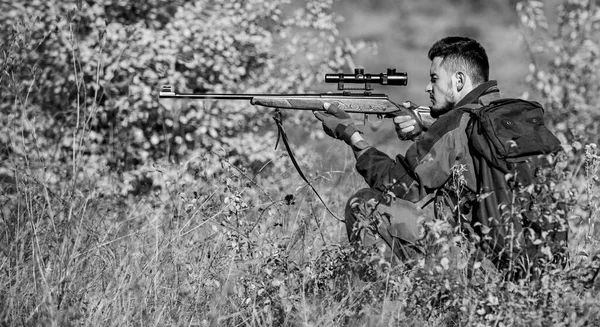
{"x":281,"y":135}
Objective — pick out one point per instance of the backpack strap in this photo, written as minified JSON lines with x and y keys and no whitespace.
{"x":470,"y":107}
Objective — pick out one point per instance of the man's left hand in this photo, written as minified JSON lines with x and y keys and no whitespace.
{"x":337,"y":123}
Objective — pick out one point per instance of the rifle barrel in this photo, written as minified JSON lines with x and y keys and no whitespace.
{"x":224,"y":96}
{"x":168,"y":91}
{"x":250,"y":96}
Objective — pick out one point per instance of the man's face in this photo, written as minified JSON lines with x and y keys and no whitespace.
{"x":440,"y":88}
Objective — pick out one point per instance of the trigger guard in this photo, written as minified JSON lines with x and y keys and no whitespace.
{"x":379,"y":118}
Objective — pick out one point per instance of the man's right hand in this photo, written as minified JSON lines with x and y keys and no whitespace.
{"x":405,"y":124}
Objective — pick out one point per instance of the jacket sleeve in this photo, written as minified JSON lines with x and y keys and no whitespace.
{"x":386,"y":174}
{"x":427,"y":165}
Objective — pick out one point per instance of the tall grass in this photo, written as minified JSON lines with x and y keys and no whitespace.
{"x":228,"y":255}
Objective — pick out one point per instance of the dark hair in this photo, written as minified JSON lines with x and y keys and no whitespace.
{"x":462,"y":53}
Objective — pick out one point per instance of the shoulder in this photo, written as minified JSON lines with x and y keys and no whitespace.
{"x":452,"y":122}
{"x":443,"y":135}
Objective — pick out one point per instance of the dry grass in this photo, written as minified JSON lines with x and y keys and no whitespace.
{"x":200,"y":252}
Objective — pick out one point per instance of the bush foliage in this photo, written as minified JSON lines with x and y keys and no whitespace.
{"x":565,"y":64}
{"x":120,"y":209}
{"x":94,"y":68}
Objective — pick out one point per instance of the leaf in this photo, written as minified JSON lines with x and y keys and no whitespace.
{"x":445,"y":263}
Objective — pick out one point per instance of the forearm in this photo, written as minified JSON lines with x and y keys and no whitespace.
{"x":384,"y":173}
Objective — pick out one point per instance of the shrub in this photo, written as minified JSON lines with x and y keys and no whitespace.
{"x":94,"y":68}
{"x":565,"y":65}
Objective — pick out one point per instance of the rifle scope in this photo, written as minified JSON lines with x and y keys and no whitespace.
{"x":359,"y":76}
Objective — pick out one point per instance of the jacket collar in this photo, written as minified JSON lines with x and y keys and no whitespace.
{"x":483,"y":94}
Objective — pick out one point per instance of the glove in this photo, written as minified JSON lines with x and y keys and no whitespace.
{"x":336,"y":122}
{"x":406,"y":124}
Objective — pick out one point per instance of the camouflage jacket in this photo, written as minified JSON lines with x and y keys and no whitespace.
{"x":438,"y":163}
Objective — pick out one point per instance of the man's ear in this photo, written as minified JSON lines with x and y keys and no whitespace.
{"x":460,"y":79}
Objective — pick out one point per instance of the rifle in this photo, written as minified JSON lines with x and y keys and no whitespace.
{"x":364,"y":102}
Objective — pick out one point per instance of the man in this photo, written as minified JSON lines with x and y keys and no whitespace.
{"x":439,"y":164}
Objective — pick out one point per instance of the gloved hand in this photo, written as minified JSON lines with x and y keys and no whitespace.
{"x":406,"y":124}
{"x":336,"y":122}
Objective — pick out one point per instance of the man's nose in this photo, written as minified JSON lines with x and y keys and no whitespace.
{"x":429,"y":88}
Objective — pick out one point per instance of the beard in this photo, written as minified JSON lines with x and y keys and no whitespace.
{"x":436,"y":112}
{"x":449,"y":103}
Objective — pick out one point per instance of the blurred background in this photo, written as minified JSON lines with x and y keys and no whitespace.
{"x":403,"y":32}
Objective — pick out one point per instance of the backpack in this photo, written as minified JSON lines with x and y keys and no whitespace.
{"x":509,"y":132}
{"x":510,"y":144}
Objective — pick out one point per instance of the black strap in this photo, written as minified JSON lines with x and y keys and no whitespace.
{"x":281,"y":135}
